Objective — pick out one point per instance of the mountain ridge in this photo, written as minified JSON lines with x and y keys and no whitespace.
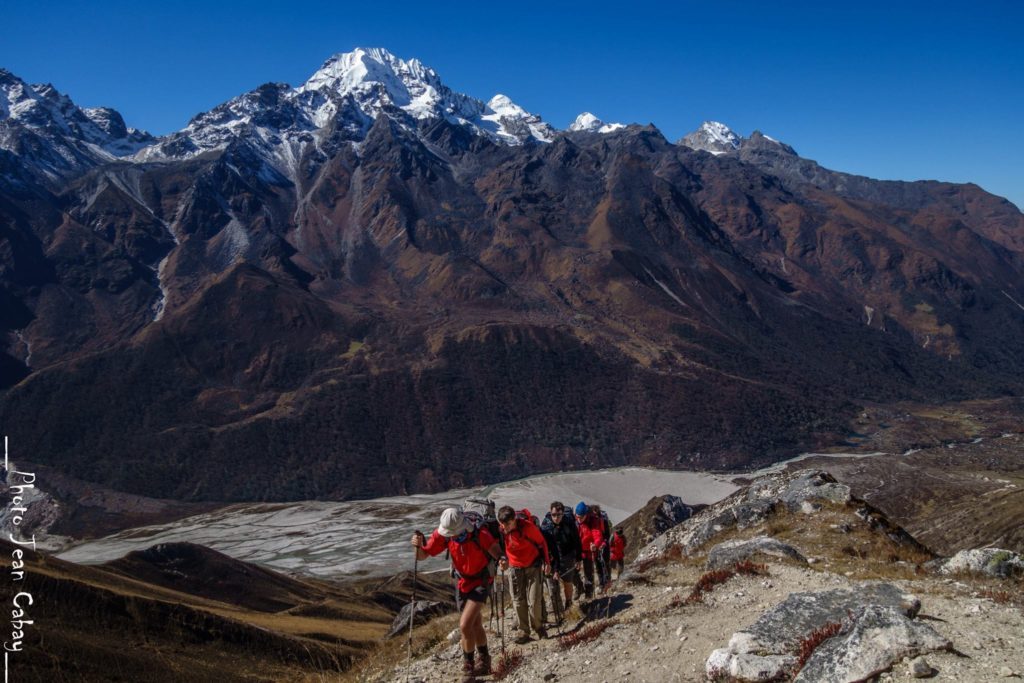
{"x":423,"y":294}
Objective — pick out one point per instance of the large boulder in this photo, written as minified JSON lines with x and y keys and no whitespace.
{"x":730,"y":552}
{"x":876,"y":617}
{"x":878,"y":637}
{"x":993,"y":562}
{"x":425,"y":610}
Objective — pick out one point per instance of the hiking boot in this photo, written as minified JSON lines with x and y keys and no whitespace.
{"x":468,"y":671}
{"x":483,"y":665}
{"x":542,"y":633}
{"x":522,"y":639}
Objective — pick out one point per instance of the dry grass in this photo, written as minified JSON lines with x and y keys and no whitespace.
{"x":863,"y":552}
{"x":1004,"y":592}
{"x":382,"y":660}
{"x":998,"y":597}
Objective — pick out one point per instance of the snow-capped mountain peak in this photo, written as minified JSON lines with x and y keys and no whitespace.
{"x":377,"y":79}
{"x":345,"y":95}
{"x":358,"y":70}
{"x":714,"y":137}
{"x":54,"y":135}
{"x":587,"y":122}
{"x":511,"y":123}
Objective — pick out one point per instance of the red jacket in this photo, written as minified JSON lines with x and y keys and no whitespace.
{"x":469,"y":558}
{"x":618,"y":548}
{"x":590,"y":534}
{"x":524,"y":543}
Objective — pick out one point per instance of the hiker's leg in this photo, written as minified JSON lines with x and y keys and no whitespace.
{"x":536,"y":589}
{"x":588,"y":577}
{"x":471,"y":626}
{"x":567,"y":587}
{"x":519,"y":597}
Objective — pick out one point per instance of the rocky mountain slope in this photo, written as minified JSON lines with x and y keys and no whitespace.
{"x":183,"y":612}
{"x":791,"y":578}
{"x":371,"y":284}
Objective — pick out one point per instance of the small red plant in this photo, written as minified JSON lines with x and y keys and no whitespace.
{"x":749,"y":568}
{"x":810,"y":643}
{"x":998,"y":597}
{"x":508,"y":661}
{"x":707,"y":582}
{"x":583,"y":635}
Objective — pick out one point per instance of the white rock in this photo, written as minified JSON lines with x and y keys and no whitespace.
{"x":920,"y":668}
{"x":809,"y":508}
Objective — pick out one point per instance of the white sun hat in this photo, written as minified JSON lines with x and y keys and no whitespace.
{"x":453,"y":523}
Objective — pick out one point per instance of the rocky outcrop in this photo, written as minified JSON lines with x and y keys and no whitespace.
{"x":751,"y":506}
{"x":425,"y":611}
{"x":993,"y":562}
{"x":876,"y":628}
{"x":659,"y":515}
{"x":730,"y":552}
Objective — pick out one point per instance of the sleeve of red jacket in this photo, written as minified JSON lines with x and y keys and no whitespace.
{"x":435,"y":545}
{"x":598,"y":537}
{"x":534,"y":534}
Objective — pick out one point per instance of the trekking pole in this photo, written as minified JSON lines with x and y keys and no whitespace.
{"x":604,"y":578}
{"x":493,"y":599}
{"x":412,"y":605}
{"x":501,"y":614}
{"x":557,"y":606}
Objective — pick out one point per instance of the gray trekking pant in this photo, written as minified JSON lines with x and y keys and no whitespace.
{"x":528,"y":593}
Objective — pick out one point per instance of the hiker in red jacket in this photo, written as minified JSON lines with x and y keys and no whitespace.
{"x":526,"y":551}
{"x":471,"y":550}
{"x":592,"y":540}
{"x":618,"y":554}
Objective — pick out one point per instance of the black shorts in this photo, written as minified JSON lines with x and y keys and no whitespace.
{"x":478,"y":594}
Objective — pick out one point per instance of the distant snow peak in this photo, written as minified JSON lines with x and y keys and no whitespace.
{"x":54,"y":135}
{"x":512,"y":123}
{"x":587,"y":122}
{"x":714,"y":137}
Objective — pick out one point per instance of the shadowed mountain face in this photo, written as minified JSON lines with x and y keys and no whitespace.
{"x":430,"y":308}
{"x":180,"y":611}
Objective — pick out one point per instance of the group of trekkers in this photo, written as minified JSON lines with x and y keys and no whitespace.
{"x":573,"y":551}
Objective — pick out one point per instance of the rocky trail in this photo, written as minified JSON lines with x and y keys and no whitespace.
{"x":857,"y":596}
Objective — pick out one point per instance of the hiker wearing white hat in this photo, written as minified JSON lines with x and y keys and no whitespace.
{"x":471,"y":550}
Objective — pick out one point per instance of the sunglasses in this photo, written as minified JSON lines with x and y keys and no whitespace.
{"x":557,"y":514}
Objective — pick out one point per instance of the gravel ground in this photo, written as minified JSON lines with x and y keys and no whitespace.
{"x":655,"y":641}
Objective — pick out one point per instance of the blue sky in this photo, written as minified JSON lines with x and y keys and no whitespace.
{"x":903,"y":90}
